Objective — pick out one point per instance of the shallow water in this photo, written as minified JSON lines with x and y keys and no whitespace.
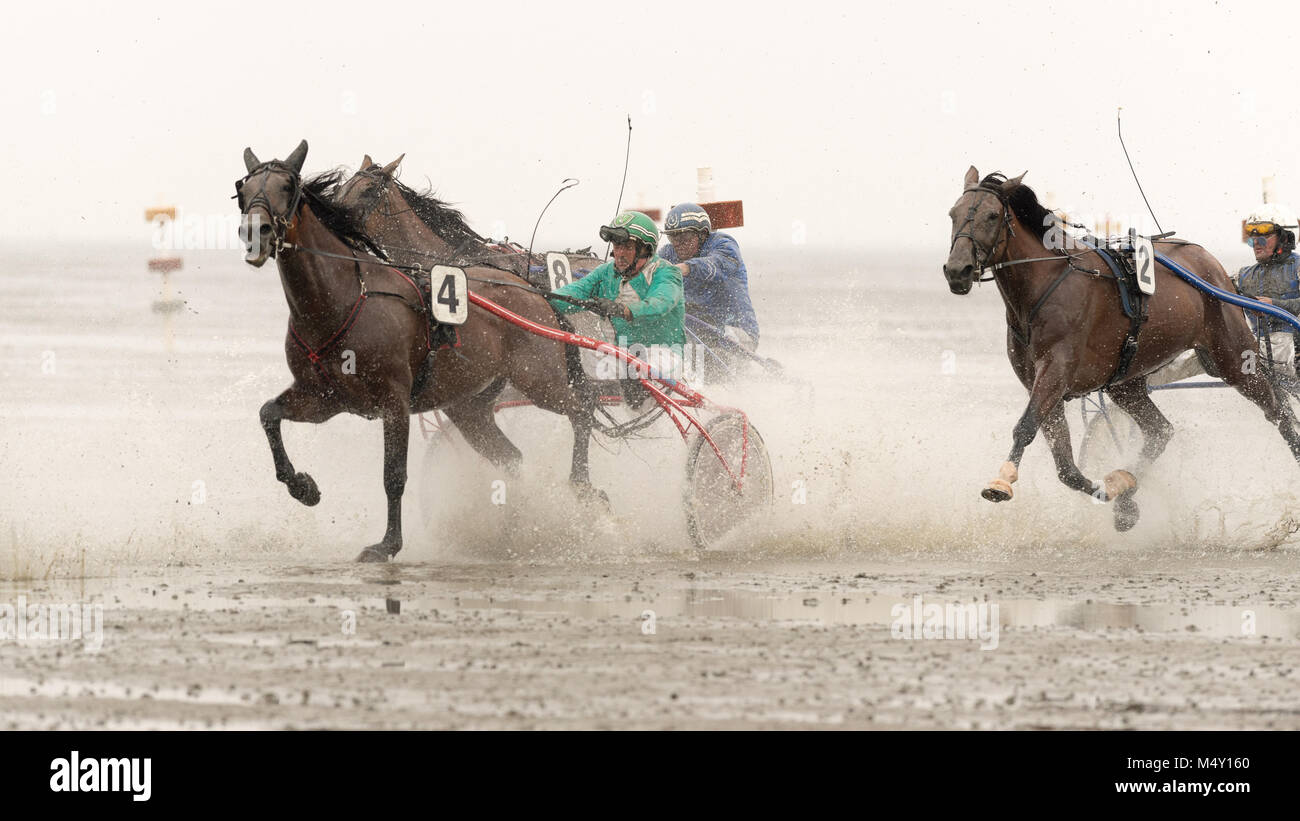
{"x":134,"y":476}
{"x":133,"y":436}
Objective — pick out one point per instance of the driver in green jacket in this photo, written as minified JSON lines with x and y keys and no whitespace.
{"x":640,"y":293}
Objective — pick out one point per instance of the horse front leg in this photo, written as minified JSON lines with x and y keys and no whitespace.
{"x":397,"y":429}
{"x":295,"y":405}
{"x":1119,"y":485}
{"x":1046,"y":394}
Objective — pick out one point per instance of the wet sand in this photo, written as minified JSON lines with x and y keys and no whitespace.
{"x":1131,"y":642}
{"x":134,"y":475}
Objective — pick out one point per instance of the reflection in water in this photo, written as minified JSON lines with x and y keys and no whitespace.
{"x":830,"y":608}
{"x":805,"y":607}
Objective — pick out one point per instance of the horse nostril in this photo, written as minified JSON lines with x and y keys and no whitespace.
{"x":264,"y":229}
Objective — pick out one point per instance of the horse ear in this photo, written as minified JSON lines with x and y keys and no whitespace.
{"x":972,"y":177}
{"x":1012,"y":183}
{"x":366,"y":162}
{"x":296,"y":159}
{"x":392,"y":166}
{"x":250,"y":160}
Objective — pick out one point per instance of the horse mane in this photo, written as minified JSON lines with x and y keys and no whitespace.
{"x":441,"y":218}
{"x":1023,"y":202}
{"x":318,"y":192}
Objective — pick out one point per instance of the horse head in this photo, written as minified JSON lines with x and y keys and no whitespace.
{"x":428,"y":228}
{"x":367,"y":188}
{"x":982,"y":217}
{"x":268,"y":198}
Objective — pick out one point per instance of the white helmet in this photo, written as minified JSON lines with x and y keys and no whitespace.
{"x":1270,"y":218}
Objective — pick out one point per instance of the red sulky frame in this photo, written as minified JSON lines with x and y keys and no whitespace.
{"x":660,"y":389}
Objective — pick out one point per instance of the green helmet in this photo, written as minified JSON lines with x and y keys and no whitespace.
{"x":631,"y":225}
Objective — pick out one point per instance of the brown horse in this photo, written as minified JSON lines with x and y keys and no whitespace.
{"x":419,"y":229}
{"x":1066,"y":329}
{"x":350,"y":351}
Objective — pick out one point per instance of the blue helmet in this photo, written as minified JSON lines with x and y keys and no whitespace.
{"x":688,"y":217}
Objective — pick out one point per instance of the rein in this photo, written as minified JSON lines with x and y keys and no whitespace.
{"x":1003,"y":235}
{"x":584,"y":303}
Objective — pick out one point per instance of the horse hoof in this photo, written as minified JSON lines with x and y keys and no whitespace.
{"x":374,"y":553}
{"x":1126,"y":513}
{"x":590,"y":495}
{"x":303,"y":488}
{"x":1118,"y":483}
{"x":997,"y":491}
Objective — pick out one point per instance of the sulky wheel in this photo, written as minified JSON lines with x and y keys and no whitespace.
{"x":714,"y":507}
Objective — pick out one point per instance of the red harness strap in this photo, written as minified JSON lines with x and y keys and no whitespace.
{"x":314,"y":356}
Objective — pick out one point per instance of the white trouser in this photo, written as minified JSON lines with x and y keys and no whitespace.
{"x":665,"y":362}
{"x":1283,"y":345}
{"x":1187,"y":363}
{"x":1184,"y":365}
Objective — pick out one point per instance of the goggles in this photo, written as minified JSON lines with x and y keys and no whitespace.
{"x":609,"y":234}
{"x":1262,"y":229}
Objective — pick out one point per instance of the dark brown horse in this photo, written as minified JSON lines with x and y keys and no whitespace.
{"x":351,"y":351}
{"x":419,"y":229}
{"x":1066,"y":329}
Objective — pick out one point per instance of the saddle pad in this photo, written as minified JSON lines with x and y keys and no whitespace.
{"x":1120,"y":263}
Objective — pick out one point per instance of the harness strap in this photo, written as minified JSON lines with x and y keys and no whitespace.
{"x":314,"y":354}
{"x":1033,"y":312}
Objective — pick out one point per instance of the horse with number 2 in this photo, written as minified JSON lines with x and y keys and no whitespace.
{"x":381,"y":339}
{"x":1072,"y":328}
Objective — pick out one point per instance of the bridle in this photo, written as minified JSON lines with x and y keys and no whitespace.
{"x":279,"y":223}
{"x":1003,"y":237}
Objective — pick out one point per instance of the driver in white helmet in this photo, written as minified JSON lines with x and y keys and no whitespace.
{"x":1273,"y":280}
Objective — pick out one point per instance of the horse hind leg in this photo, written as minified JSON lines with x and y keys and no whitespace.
{"x":475,"y":418}
{"x":1121,"y":484}
{"x":1132,"y":398}
{"x":1118,"y":486}
{"x":569,"y":393}
{"x":1243,"y":372}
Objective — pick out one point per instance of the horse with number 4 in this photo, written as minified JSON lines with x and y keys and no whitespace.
{"x":728,"y":472}
{"x":1072,"y":328}
{"x":351,"y":352}
{"x":359,"y":338}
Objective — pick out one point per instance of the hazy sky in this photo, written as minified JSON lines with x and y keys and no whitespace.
{"x":836,"y":125}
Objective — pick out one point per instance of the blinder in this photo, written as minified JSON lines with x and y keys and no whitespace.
{"x":1003,"y":236}
{"x":279,"y":223}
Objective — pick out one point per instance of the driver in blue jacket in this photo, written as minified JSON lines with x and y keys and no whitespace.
{"x":714,"y":278}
